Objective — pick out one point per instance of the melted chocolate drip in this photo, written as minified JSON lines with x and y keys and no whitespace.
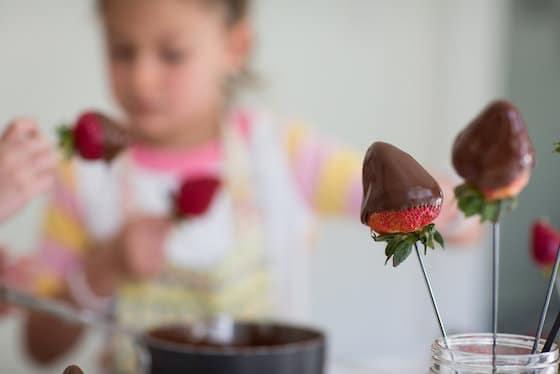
{"x":495,"y":148}
{"x":393,"y":180}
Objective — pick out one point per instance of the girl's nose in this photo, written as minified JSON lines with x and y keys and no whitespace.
{"x":144,"y":74}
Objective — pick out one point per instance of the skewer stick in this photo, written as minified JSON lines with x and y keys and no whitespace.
{"x":432,"y":297}
{"x":495,"y":286}
{"x":546,"y":302}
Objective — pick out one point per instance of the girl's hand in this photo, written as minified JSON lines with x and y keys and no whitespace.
{"x":18,"y":274}
{"x":27,"y":164}
{"x":140,"y":247}
{"x":136,"y":253}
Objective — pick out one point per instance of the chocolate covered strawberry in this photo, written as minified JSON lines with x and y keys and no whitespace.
{"x":195,"y":196}
{"x":401,"y":200}
{"x":545,"y":240}
{"x":93,"y":137}
{"x":495,"y":156}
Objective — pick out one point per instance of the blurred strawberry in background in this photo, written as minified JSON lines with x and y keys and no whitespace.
{"x":195,"y":196}
{"x":545,"y":240}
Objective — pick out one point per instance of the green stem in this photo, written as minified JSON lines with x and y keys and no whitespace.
{"x":66,"y":141}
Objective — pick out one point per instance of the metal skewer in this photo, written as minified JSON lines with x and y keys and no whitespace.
{"x":432,"y":297}
{"x":546,"y":302}
{"x":61,"y":310}
{"x":495,"y":287}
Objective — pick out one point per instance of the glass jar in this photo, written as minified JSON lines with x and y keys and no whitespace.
{"x":470,"y":354}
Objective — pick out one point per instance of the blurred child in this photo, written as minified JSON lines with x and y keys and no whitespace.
{"x":109,"y":243}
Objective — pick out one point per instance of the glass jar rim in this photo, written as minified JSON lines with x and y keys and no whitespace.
{"x":457,"y":357}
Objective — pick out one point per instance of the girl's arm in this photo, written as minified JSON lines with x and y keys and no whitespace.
{"x":84,"y":273}
{"x":330,"y":179}
{"x":62,"y":251}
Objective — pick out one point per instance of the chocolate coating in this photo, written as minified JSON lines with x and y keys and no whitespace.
{"x":245,"y":337}
{"x":253,"y":348}
{"x":115,"y":138}
{"x":393,"y":180}
{"x":73,"y":370}
{"x":495,"y":148}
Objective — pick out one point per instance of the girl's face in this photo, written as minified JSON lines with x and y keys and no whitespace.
{"x":169,"y":61}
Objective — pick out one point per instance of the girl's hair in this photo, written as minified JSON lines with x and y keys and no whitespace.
{"x":236,"y":10}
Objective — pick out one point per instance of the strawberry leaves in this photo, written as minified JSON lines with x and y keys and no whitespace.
{"x":65,"y":141}
{"x":557,"y":145}
{"x":473,"y":202}
{"x":399,"y":245}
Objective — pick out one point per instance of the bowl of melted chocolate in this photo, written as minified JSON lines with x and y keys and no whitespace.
{"x":253,"y":348}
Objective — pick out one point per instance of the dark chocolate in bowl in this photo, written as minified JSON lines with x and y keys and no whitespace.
{"x":254,"y":349}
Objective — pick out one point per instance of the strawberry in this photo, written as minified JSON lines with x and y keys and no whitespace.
{"x":93,"y":137}
{"x":401,"y":200}
{"x":195,"y":196}
{"x":545,"y":241}
{"x":408,"y":220}
{"x":495,"y":156}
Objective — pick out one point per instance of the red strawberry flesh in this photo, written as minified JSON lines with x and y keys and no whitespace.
{"x":544,"y":243}
{"x":405,"y":221}
{"x":88,"y":136}
{"x":195,"y":196}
